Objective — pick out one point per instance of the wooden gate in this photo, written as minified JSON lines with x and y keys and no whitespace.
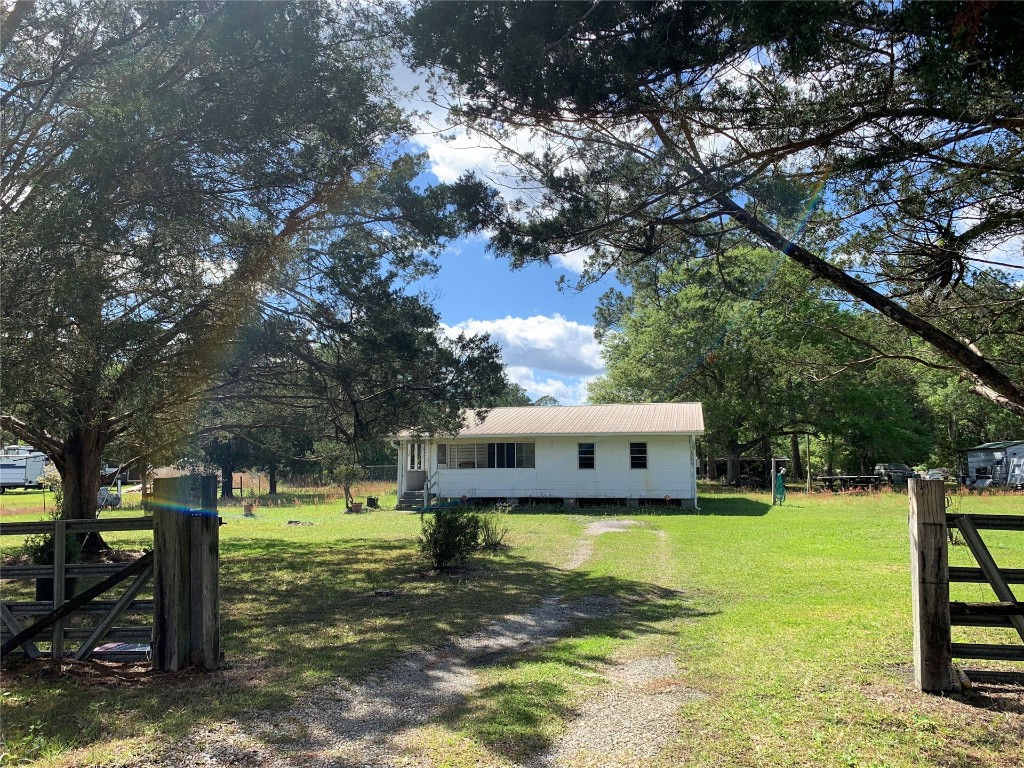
{"x":935,"y":615}
{"x":181,"y":622}
{"x":26,"y":623}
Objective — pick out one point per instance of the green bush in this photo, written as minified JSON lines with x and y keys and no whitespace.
{"x":450,"y":536}
{"x":39,"y":548}
{"x":494,"y":526}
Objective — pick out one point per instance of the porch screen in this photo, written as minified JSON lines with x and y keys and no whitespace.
{"x":494,"y":455}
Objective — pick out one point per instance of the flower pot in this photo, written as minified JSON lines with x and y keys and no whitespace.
{"x":44,"y":588}
{"x":371,"y":502}
{"x":357,"y":507}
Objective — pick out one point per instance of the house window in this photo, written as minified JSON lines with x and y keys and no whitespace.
{"x":466,"y":455}
{"x":526,"y":455}
{"x":442,"y":454}
{"x":510,"y":455}
{"x":494,"y":455}
{"x":585,"y":455}
{"x":638,"y":455}
{"x":415,"y":457}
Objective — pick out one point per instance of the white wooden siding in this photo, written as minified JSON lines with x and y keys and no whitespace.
{"x":670,"y":470}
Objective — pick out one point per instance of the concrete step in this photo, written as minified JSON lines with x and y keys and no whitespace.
{"x":410,"y":501}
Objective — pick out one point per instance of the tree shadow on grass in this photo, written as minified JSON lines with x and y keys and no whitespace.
{"x":728,"y":505}
{"x":519,"y":715}
{"x":295,"y":615}
{"x":733,"y":506}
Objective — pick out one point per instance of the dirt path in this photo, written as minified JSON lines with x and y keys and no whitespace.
{"x":631,"y":719}
{"x":345,"y":725}
{"x":626,"y":724}
{"x":585,"y":549}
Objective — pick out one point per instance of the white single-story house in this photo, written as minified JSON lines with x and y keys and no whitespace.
{"x":625,"y":452}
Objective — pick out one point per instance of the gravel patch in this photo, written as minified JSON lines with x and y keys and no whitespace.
{"x":628,"y":723}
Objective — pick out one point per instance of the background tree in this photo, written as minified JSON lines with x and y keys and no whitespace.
{"x":341,"y":358}
{"x":893,"y":131}
{"x":163,"y":166}
{"x":771,"y":356}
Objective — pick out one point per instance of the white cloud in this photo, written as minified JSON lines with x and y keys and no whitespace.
{"x":573,"y":261}
{"x":569,"y":391}
{"x":563,"y":347}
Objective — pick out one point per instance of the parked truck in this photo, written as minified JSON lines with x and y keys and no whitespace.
{"x":21,"y":467}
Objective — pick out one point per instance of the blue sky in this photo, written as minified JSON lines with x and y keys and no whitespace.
{"x":546,"y":334}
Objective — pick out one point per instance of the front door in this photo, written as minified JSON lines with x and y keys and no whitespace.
{"x":415,"y":473}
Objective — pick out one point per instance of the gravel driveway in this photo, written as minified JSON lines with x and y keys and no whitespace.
{"x":344,"y":724}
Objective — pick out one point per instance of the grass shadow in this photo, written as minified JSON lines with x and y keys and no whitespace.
{"x":295,"y":615}
{"x":518,"y":716}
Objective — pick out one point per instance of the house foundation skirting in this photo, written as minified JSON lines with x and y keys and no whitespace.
{"x":569,"y":503}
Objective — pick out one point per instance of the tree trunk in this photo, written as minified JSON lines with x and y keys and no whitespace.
{"x":272,"y":477}
{"x":712,"y":466}
{"x":794,"y":449}
{"x":732,"y":472}
{"x":227,"y":480}
{"x":79,"y":467}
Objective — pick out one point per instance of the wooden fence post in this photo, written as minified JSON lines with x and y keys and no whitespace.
{"x":186,"y":626}
{"x":929,"y":573}
{"x":60,"y":538}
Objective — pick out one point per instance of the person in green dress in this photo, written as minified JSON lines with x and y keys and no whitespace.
{"x":780,"y":486}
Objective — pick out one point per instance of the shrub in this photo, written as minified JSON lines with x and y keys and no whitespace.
{"x":494,"y":526}
{"x":450,"y":536}
{"x":39,"y":548}
{"x":51,"y":481}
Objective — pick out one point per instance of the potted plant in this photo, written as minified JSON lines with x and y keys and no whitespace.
{"x":249,"y":503}
{"x":39,"y":549}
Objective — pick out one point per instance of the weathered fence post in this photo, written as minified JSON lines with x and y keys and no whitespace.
{"x":186,"y":627}
{"x":929,"y":573}
{"x":60,"y":538}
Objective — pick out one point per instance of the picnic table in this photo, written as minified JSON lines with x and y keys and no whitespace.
{"x":850,"y":482}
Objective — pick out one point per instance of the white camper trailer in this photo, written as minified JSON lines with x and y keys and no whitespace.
{"x":1000,"y":463}
{"x":20,"y":467}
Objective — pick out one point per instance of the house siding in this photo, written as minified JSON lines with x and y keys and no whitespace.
{"x":670,"y":470}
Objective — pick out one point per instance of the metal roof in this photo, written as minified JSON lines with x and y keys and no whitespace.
{"x":619,"y":419}
{"x":997,"y":446}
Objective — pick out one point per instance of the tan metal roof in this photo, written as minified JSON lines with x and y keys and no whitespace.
{"x":619,"y":419}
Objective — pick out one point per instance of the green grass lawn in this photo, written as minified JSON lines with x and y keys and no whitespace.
{"x":795,"y":621}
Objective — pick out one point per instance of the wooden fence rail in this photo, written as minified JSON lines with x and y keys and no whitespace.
{"x":934,"y":614}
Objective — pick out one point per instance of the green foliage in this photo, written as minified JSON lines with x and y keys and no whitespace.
{"x":449,"y":536}
{"x":176,"y":170}
{"x":767,"y":353}
{"x":494,"y":526}
{"x":676,"y":131}
{"x":39,"y":548}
